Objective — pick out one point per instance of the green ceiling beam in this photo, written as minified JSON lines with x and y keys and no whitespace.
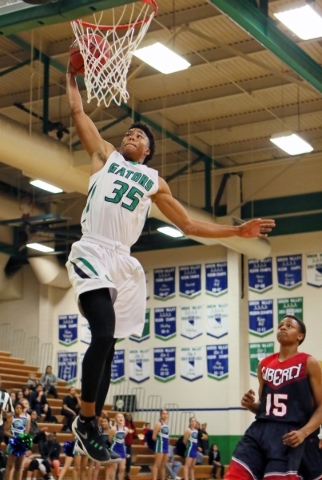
{"x":265,"y":30}
{"x":18,"y":18}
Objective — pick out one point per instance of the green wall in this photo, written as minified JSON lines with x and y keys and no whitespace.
{"x":226,"y":445}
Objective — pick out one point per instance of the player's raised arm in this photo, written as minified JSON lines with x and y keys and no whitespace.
{"x":97,"y":148}
{"x":178,"y":215}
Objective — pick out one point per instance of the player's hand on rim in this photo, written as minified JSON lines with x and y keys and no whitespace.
{"x":257,"y":227}
{"x":294,"y":439}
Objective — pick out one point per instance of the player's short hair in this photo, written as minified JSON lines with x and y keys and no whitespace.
{"x":148,"y":132}
{"x":300,"y":323}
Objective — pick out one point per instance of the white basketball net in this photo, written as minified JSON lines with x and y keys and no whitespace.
{"x":105,"y":80}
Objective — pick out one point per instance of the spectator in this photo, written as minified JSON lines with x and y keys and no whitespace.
{"x":32,"y":381}
{"x":40,"y":404}
{"x":131,"y":435}
{"x":214,"y":460}
{"x":147,"y":427}
{"x":199,"y":458}
{"x":117,"y":435}
{"x":6,"y":409}
{"x":49,"y":381}
{"x":25,"y":413}
{"x":37,"y":434}
{"x":51,"y":451}
{"x":36,"y":464}
{"x":15,"y":426}
{"x":27,"y":394}
{"x":19,"y":396}
{"x":13,"y":397}
{"x":173,"y":466}
{"x":204,"y":439}
{"x":71,"y":408}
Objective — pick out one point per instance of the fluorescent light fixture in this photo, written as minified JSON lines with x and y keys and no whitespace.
{"x":162,"y":58}
{"x":301,"y":19}
{"x":45,"y":186}
{"x":291,"y":143}
{"x":40,"y":247}
{"x":171,"y":231}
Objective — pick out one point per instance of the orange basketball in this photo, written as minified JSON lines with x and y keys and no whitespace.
{"x":95,"y":44}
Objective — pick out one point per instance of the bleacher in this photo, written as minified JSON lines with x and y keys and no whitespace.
{"x":14,"y":373}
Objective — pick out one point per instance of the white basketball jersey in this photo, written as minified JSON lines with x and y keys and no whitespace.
{"x":118,"y":200}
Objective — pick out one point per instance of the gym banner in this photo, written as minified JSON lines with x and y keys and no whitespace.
{"x":216,"y":278}
{"x":217,"y":320}
{"x":67,"y":330}
{"x":190,"y":281}
{"x":139,"y":365}
{"x":191,"y":363}
{"x":217,"y":361}
{"x":191,"y":321}
{"x":146,"y":329}
{"x":260,"y":275}
{"x":164,"y":283}
{"x":289,"y":306}
{"x":165,"y":323}
{"x":314,"y":269}
{"x":260,"y":314}
{"x":67,"y":366}
{"x":289,"y":271}
{"x":258,"y":351}
{"x":164,"y":364}
{"x":85,"y":331}
{"x":117,"y":369}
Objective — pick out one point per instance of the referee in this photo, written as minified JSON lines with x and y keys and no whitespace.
{"x":5,"y":408}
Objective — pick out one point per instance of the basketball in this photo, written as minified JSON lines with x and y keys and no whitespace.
{"x":96,"y":47}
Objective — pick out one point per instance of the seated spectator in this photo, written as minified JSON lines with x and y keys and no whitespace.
{"x":27,"y":394}
{"x":71,"y":408}
{"x":147,"y":427}
{"x":13,"y":397}
{"x":214,"y":460}
{"x":32,"y":381}
{"x":173,"y":466}
{"x":49,"y":381}
{"x":199,"y":458}
{"x":36,"y":464}
{"x":19,"y":397}
{"x":51,"y":451}
{"x":37,"y":434}
{"x":40,"y":404}
{"x":203,"y":439}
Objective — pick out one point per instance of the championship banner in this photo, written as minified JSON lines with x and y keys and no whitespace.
{"x":216,"y":278}
{"x":139,"y":365}
{"x":314,"y":269}
{"x":289,"y":271}
{"x":67,"y":366}
{"x":164,"y":364}
{"x":67,"y":330}
{"x":164,"y":283}
{"x":165,"y":324}
{"x":146,"y":329}
{"x":217,"y":320}
{"x":117,"y":368}
{"x":258,"y":351}
{"x":191,"y":321}
{"x":217,"y":361}
{"x":289,"y":306}
{"x":191,"y":363}
{"x":260,"y":275}
{"x":260,"y":314}
{"x":85,"y":331}
{"x":190,"y":281}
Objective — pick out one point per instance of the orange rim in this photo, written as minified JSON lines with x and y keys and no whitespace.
{"x":122,"y":27}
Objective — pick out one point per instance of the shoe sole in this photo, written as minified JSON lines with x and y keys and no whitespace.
{"x":84,"y":451}
{"x":80,"y":450}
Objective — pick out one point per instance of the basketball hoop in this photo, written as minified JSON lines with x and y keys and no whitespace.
{"x":105,"y":75}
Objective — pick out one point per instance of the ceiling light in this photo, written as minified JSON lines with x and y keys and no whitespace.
{"x":40,"y":247}
{"x":301,"y":19}
{"x":171,"y":231}
{"x":45,"y":186}
{"x":162,"y":58}
{"x":291,"y":143}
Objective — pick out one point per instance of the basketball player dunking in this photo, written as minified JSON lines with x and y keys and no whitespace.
{"x":109,"y":284}
{"x":289,"y":409}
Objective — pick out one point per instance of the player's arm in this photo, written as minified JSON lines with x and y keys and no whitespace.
{"x":296,"y":437}
{"x":186,"y":436}
{"x":248,"y":400}
{"x":156,"y":431}
{"x":7,"y":428}
{"x":178,"y":215}
{"x":98,"y":149}
{"x":28,"y":424}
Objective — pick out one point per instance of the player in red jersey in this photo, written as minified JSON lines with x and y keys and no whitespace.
{"x":289,"y":409}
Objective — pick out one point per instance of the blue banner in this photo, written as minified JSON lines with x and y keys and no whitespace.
{"x":165,"y":325}
{"x":164,"y":364}
{"x":67,"y":330}
{"x":289,"y":271}
{"x":217,"y":361}
{"x":190,"y":281}
{"x":260,"y":313}
{"x":164,"y":283}
{"x":67,"y":366}
{"x":117,"y":370}
{"x":260,"y":275}
{"x":216,"y":278}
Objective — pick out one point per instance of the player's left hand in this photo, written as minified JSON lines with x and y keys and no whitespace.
{"x":258,"y":227}
{"x":294,"y":438}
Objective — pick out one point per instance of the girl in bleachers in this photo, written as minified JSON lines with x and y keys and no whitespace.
{"x":190,"y":439}
{"x":161,"y":437}
{"x":117,"y":436}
